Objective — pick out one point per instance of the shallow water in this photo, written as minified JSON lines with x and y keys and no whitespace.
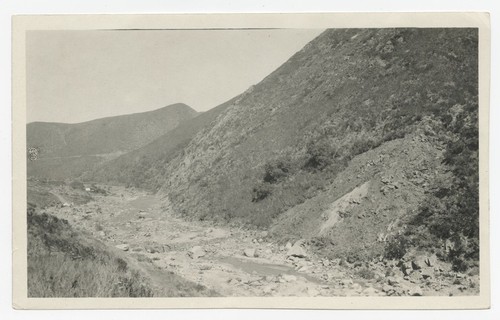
{"x":266,"y":269}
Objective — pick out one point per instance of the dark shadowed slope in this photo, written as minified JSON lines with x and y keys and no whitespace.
{"x":67,"y":150}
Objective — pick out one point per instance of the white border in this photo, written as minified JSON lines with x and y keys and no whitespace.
{"x":94,"y":6}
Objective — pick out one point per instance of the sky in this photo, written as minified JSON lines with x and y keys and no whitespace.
{"x":76,"y":76}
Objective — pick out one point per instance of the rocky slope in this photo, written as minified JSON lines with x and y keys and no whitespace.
{"x":66,"y":150}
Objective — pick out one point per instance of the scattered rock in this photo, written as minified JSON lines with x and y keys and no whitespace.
{"x":416,"y":291}
{"x":123,"y":247}
{"x":326,"y":262}
{"x":297,"y":250}
{"x":288,"y":278}
{"x":392,"y":281}
{"x":250,"y":253}
{"x":370,"y":291}
{"x":312,"y":292}
{"x":427,"y":273}
{"x":267,"y":289}
{"x":196,"y":252}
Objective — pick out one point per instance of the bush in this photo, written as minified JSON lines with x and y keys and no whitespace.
{"x":261,"y":191}
{"x":320,"y":154}
{"x":276,"y":170}
{"x":77,"y":185}
{"x":397,"y":247}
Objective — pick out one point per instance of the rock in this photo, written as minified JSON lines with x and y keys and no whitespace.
{"x":335,"y":262}
{"x":297,"y":250}
{"x":196,"y":252}
{"x":416,"y":291}
{"x":101,"y":234}
{"x":249,"y":252}
{"x":392,"y":281}
{"x":415,"y":276}
{"x":267,"y":289}
{"x":123,"y":247}
{"x":268,"y":251}
{"x":288,"y":278}
{"x":312,"y":292}
{"x":346,"y":282}
{"x":428,"y":273}
{"x":282,"y":248}
{"x":326,"y":262}
{"x":370,"y":291}
{"x":288,"y":246}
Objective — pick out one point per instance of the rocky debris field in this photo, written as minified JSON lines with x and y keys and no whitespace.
{"x":240,"y":262}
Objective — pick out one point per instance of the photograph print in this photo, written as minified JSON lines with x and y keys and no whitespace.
{"x":253,"y":162}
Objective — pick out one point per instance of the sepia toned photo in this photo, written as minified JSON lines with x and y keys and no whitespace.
{"x":251,"y":163}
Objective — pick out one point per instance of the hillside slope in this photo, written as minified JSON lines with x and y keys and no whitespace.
{"x":66,"y":150}
{"x":348,"y":91}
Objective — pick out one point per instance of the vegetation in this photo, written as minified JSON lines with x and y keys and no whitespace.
{"x":451,"y":212}
{"x":64,"y":263}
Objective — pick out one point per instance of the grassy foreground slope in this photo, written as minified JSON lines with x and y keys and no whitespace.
{"x":63,"y":262}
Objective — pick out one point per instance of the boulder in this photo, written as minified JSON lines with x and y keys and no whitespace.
{"x":393,"y":281}
{"x":267,"y":289}
{"x":196,"y":252}
{"x":288,"y":278}
{"x":416,"y":291}
{"x":123,"y":247}
{"x":297,"y":250}
{"x":370,"y":291}
{"x":428,"y":273}
{"x":249,"y":252}
{"x":312,"y":292}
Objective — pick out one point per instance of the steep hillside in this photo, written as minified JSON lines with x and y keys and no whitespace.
{"x":346,"y":92}
{"x":145,"y":167}
{"x":290,"y":137}
{"x":67,"y":150}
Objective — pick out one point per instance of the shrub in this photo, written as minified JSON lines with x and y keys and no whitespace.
{"x":77,"y":185}
{"x":397,"y":247}
{"x":261,"y":191}
{"x":320,"y":154}
{"x":276,"y":170}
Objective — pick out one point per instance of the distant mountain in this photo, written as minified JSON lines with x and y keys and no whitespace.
{"x":67,"y":150}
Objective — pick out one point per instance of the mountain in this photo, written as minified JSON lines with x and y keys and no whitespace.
{"x":144,"y":167}
{"x":67,"y":150}
{"x":362,"y":137}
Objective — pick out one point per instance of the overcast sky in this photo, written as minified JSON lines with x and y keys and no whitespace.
{"x":75,"y":76}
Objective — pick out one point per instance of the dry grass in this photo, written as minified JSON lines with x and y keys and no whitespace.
{"x":64,"y":263}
